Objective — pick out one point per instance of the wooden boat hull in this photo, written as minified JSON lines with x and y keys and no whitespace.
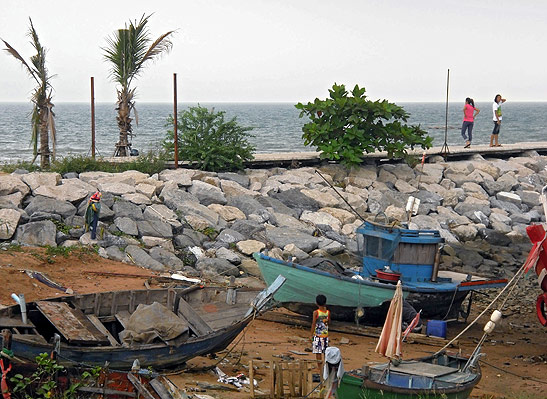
{"x":431,"y":381}
{"x":89,"y":325}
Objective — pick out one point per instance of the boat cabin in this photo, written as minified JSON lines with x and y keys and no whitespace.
{"x":409,"y":255}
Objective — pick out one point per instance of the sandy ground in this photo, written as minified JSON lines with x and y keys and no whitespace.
{"x":517,"y":348}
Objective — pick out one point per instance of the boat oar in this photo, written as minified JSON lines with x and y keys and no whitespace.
{"x":340,"y":195}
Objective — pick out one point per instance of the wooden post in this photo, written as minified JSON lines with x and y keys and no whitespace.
{"x":272,"y":379}
{"x":175,"y":133}
{"x":251,"y":379}
{"x":92,"y":117}
{"x":292,"y":370}
{"x":279,"y":367}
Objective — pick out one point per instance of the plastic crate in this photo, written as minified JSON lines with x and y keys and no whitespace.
{"x":436,"y":328}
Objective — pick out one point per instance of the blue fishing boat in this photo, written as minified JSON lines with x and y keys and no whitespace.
{"x":161,"y":328}
{"x":388,"y":253}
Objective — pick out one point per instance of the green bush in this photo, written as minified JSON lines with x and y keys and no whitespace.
{"x":342,"y":127}
{"x":209,"y":142}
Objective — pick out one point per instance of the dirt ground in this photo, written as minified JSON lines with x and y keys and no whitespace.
{"x":516,"y":349}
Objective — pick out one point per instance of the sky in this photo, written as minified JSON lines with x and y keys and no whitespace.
{"x":289,"y":51}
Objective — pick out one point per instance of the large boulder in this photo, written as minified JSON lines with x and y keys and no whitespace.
{"x":38,"y":179}
{"x":128,"y":209}
{"x":163,"y":213}
{"x":215,"y":267}
{"x":207,"y":193}
{"x":37,"y":233}
{"x":44,"y":204}
{"x":240,"y":178}
{"x":9,"y":219}
{"x":296,"y":200}
{"x":126,"y":225}
{"x":11,"y":184}
{"x":139,"y":257}
{"x":154,"y":228}
{"x":166,"y":258}
{"x":280,"y":237}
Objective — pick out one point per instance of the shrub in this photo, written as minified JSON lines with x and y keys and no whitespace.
{"x":342,"y":127}
{"x":208,"y":141}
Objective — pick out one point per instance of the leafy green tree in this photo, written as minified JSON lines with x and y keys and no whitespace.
{"x":208,"y":140}
{"x":344,"y":126}
{"x":42,"y":115}
{"x":128,"y":51}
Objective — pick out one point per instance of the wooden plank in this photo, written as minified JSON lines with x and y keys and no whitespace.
{"x":123,"y":317}
{"x":100,"y":326}
{"x":73,"y":325}
{"x":14,"y":322}
{"x":272,"y":380}
{"x":423,"y":369}
{"x":106,"y":392}
{"x":194,"y":320}
{"x":160,"y":389}
{"x":139,"y":386}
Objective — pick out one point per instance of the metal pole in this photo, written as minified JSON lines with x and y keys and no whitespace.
{"x":176,"y":138}
{"x":446,"y":110}
{"x":92,"y":117}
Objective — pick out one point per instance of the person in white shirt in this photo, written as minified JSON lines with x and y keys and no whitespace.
{"x":496,"y":116}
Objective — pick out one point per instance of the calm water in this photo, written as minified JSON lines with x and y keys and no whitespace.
{"x":277,"y":127}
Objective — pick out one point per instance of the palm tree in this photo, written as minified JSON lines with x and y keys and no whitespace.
{"x":128,"y":50}
{"x":42,"y":115}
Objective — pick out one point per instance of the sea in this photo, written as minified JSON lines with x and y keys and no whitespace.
{"x":277,"y":127}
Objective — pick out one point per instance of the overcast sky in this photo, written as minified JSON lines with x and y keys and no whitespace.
{"x":257,"y":50}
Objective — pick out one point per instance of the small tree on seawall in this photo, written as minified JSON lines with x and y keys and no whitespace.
{"x":344,"y":126}
{"x":209,"y":141}
{"x":128,"y":51}
{"x":42,"y":115}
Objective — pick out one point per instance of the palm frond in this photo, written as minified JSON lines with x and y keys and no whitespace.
{"x":9,"y":49}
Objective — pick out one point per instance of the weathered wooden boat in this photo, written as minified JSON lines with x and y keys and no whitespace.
{"x":413,"y":256}
{"x":439,"y":376}
{"x":98,"y":328}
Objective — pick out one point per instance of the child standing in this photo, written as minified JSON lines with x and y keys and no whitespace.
{"x":320,"y":328}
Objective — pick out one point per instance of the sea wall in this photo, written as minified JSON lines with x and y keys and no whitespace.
{"x":208,"y":224}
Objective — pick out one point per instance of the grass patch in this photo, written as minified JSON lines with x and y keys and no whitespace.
{"x":150,"y":163}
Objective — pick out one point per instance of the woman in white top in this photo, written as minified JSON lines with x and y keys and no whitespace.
{"x":496,"y":116}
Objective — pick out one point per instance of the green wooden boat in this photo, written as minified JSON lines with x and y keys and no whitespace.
{"x":303,"y":284}
{"x":439,"y":376}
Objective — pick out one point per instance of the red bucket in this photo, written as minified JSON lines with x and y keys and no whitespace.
{"x":387,"y":276}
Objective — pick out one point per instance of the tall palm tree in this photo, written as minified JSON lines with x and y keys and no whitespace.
{"x":43,"y":118}
{"x":128,"y":50}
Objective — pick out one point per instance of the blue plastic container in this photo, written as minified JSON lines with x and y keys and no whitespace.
{"x":436,"y":328}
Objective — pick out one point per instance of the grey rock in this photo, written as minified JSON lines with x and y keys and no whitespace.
{"x":37,"y":234}
{"x":469,"y":258}
{"x":427,"y":197}
{"x":230,"y":256}
{"x":163,"y":213}
{"x":166,"y":258}
{"x":230,"y":236}
{"x":115,"y":253}
{"x":38,"y":216}
{"x":248,"y":228}
{"x":509,"y":197}
{"x":506,"y":206}
{"x":377,"y":202}
{"x":214,"y":267}
{"x":194,"y":208}
{"x":139,"y":257}
{"x":183,"y":241}
{"x":469,"y":207}
{"x":175,"y":199}
{"x":126,"y":225}
{"x":154,"y":228}
{"x":282,"y":237}
{"x":494,"y":237}
{"x":206,"y":193}
{"x":246,"y":204}
{"x":109,"y":240}
{"x":296,"y":200}
{"x":50,"y":205}
{"x":9,"y":219}
{"x":277,"y":206}
{"x":12,"y":184}
{"x":521,"y":218}
{"x":128,"y":209}
{"x":239,"y":178}
{"x":530,"y":198}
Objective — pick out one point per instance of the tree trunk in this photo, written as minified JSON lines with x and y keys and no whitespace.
{"x":124,"y":124}
{"x":44,"y":139}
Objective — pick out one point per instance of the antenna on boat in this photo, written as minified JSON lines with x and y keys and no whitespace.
{"x":444,"y":150}
{"x":340,"y":195}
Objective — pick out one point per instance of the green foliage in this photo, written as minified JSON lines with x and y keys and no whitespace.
{"x":148,"y":163}
{"x":344,"y":126}
{"x":41,"y":384}
{"x":210,"y":142}
{"x":210,"y":232}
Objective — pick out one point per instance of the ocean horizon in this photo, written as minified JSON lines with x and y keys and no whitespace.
{"x":276,"y":125}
